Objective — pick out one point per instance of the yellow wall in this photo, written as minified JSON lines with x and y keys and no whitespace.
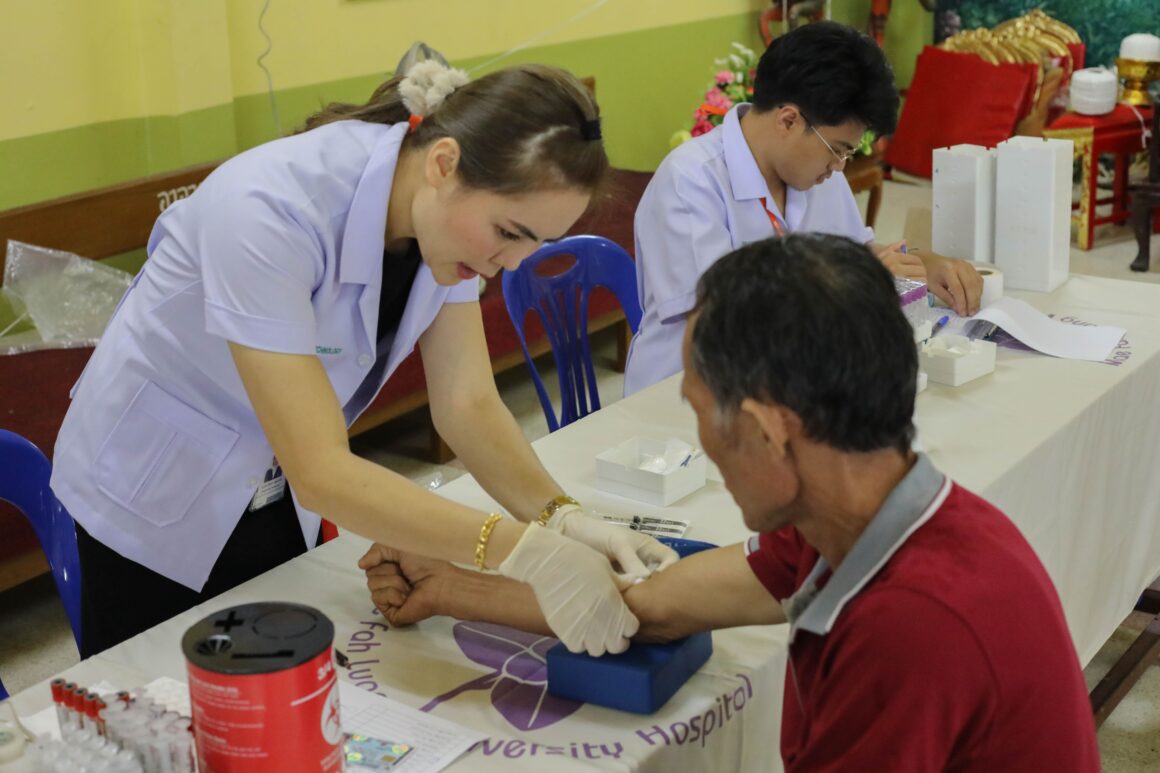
{"x":322,"y":40}
{"x":96,"y":92}
{"x":69,"y":63}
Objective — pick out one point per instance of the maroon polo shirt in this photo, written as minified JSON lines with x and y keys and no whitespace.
{"x":943,"y":647}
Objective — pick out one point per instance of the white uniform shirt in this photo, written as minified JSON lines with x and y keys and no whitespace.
{"x":704,"y":202}
{"x":280,"y":249}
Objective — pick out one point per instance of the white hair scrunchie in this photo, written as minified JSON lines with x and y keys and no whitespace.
{"x":427,"y":84}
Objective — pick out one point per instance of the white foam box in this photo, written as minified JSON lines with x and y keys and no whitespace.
{"x":954,"y":360}
{"x":963,"y":217}
{"x":1033,"y":212}
{"x":618,"y":472}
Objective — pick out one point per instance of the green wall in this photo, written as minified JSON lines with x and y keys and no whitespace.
{"x":45,"y":166}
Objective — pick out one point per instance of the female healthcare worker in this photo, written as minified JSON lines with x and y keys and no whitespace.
{"x":277,"y":300}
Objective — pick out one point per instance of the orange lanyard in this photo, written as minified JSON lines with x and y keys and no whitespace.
{"x":777,"y":226}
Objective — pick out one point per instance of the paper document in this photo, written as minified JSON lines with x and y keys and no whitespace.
{"x":437,"y":742}
{"x":1033,"y":328}
{"x":1044,"y":334}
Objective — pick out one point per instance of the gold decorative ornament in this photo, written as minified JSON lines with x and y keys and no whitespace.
{"x":1081,"y":138}
{"x":1039,"y":18}
{"x":1137,"y":74}
{"x":1034,"y":38}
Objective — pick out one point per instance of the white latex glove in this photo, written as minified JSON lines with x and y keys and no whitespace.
{"x":639,"y":555}
{"x":576,"y":589}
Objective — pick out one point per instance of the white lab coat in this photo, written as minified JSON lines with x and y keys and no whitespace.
{"x":704,"y":202}
{"x":280,"y":249}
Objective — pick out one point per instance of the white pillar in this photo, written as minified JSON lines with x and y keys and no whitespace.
{"x":1033,"y":212}
{"x":963,"y":218}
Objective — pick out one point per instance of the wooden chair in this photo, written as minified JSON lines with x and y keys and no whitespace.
{"x":865,"y":173}
{"x":1146,"y":198}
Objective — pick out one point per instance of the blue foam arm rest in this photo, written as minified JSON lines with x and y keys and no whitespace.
{"x":640,"y":680}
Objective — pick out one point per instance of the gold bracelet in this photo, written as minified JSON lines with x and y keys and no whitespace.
{"x":484,"y":536}
{"x":552,"y":506}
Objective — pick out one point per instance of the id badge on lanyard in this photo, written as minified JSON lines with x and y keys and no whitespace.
{"x":271,"y":489}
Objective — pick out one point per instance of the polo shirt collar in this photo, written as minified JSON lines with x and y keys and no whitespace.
{"x":916,"y":498}
{"x":361,"y":254}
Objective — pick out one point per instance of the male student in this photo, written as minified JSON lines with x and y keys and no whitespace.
{"x":772,"y":167}
{"x":925,"y":635}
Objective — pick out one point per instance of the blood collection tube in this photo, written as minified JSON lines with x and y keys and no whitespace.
{"x":78,"y":707}
{"x":69,"y":690}
{"x":90,"y":709}
{"x":58,"y":701}
{"x":68,"y":700}
{"x":99,"y":707}
{"x":112,"y":717}
{"x":183,"y":758}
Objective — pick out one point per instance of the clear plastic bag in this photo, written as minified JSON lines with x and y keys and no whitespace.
{"x":55,"y":299}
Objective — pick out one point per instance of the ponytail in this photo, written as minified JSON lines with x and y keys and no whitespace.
{"x":520,"y":129}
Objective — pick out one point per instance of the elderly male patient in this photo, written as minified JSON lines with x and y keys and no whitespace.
{"x":924,"y":632}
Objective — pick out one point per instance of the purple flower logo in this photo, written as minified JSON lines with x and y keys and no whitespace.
{"x":519,"y":681}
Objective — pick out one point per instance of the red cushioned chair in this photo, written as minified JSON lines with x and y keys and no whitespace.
{"x":958,"y":98}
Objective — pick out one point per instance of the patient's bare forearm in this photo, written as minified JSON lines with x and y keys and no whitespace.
{"x":714,"y":589}
{"x":706,"y":591}
{"x":494,"y":599}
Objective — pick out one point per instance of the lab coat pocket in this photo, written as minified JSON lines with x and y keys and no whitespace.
{"x":160,"y":455}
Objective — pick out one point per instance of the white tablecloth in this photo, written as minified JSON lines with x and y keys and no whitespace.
{"x":1068,"y":449}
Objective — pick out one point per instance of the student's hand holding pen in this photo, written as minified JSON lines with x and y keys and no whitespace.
{"x":901,"y":263}
{"x":956,"y":282}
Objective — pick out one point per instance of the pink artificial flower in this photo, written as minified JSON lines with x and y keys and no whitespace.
{"x":725,"y":77}
{"x":716,"y":98}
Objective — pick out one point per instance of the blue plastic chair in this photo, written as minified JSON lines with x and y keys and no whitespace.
{"x":561,"y":302}
{"x":24,"y":474}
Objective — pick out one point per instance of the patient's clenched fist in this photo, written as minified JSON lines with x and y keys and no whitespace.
{"x":405,"y":588}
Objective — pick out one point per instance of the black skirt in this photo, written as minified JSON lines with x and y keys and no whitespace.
{"x":121,"y":598}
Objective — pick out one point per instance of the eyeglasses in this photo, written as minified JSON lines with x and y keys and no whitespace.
{"x":841,"y":157}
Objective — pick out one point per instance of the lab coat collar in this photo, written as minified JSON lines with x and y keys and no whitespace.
{"x":361,"y":254}
{"x":744,"y":175}
{"x":746,"y":180}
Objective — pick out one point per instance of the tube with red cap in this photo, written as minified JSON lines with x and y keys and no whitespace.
{"x":58,"y":701}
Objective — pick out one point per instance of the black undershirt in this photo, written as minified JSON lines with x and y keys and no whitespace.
{"x":399,"y":273}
